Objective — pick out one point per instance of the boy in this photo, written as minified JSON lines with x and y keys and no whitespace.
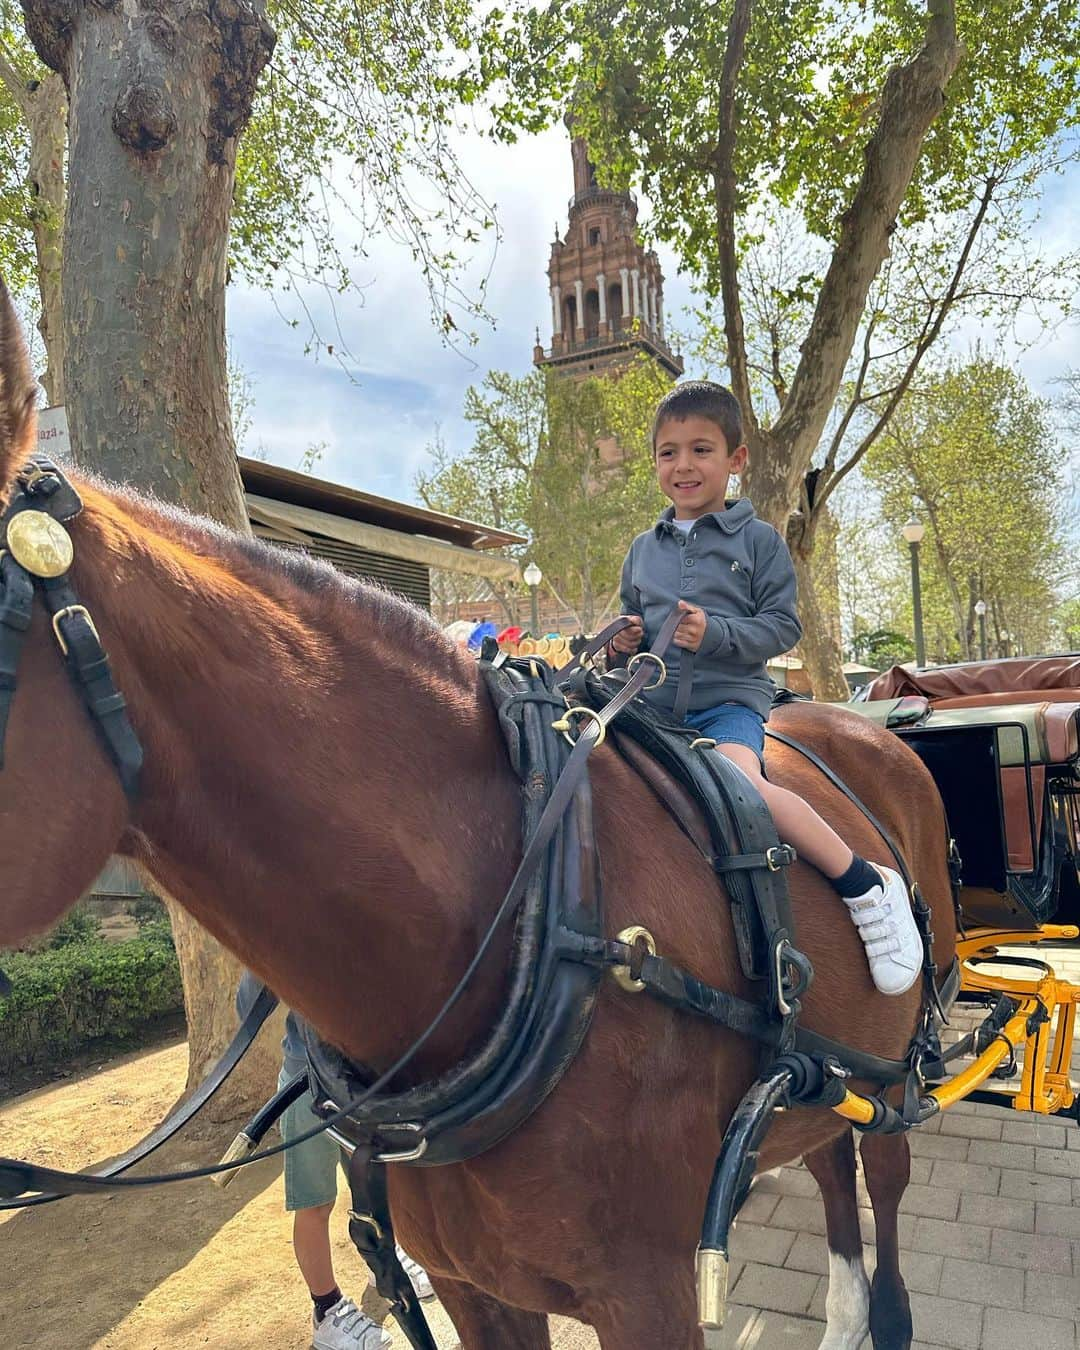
{"x":733,"y":577}
{"x":310,"y":1193}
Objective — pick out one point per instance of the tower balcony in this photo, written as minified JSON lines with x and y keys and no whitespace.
{"x":596,"y":196}
{"x":615,"y":347}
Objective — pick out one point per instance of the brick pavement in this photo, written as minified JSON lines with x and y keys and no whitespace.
{"x":989,"y":1235}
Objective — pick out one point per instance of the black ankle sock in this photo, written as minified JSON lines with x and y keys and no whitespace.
{"x":324,"y":1302}
{"x":857,"y":880}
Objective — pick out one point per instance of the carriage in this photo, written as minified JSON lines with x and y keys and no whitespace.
{"x":1002,"y":741}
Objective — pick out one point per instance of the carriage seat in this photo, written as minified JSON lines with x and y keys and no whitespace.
{"x":980,"y":681}
{"x":1030,"y":740}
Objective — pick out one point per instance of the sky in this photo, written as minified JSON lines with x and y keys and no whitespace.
{"x":404,"y":386}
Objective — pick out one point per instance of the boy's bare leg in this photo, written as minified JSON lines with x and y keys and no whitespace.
{"x":311,"y":1243}
{"x":797,"y":823}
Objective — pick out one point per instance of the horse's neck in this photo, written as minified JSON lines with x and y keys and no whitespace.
{"x":337,"y":812}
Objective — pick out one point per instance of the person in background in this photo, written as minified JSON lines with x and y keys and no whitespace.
{"x":311,"y":1186}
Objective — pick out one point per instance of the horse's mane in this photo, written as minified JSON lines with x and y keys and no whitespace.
{"x":285,"y":576}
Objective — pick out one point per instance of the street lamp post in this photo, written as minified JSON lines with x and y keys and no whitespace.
{"x":532,"y":576}
{"x":913,"y":532}
{"x":980,"y":610}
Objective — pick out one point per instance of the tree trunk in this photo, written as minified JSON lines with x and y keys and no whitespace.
{"x":818,"y":648}
{"x":158,"y":96}
{"x":46,"y":115}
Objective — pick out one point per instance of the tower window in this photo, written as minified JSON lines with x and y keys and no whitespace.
{"x":594,"y":236}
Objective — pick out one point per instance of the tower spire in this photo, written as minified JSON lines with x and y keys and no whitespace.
{"x":607,"y":291}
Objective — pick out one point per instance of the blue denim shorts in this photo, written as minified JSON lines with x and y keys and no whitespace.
{"x":311,"y":1167}
{"x":732,"y":724}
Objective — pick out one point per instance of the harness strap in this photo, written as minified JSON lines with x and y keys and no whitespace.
{"x":926,"y":1039}
{"x":783,"y":855}
{"x":16,"y":610}
{"x":685,"y":993}
{"x":88,"y":663}
{"x":18,"y":1177}
{"x":372,"y":1232}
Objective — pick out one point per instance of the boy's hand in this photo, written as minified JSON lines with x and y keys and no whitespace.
{"x":628,"y":639}
{"x":691,"y":630}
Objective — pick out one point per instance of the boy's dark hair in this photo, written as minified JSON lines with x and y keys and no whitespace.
{"x":702,"y":398}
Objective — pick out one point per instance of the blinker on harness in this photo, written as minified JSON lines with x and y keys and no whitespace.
{"x":559,"y":948}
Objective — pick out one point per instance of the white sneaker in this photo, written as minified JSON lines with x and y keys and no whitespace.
{"x":346,"y":1328}
{"x":887,"y":927}
{"x":418,"y":1276}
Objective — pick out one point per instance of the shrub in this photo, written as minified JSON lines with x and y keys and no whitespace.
{"x":80,"y":924}
{"x":64,"y":998}
{"x":147,"y":909}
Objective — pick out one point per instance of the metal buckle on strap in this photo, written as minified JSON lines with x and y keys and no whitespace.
{"x":658,"y":661}
{"x":782,"y":855}
{"x":370,"y":1222}
{"x":66,"y":613}
{"x":580,"y":710}
{"x":407,"y":1154}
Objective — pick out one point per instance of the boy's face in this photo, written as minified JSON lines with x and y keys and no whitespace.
{"x":693,"y":465}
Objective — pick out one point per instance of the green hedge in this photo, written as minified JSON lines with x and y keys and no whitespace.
{"x":63,"y":998}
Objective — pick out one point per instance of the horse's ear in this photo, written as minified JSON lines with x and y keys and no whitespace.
{"x":18,"y":396}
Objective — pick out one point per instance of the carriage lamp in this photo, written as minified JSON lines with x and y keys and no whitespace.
{"x":532,"y":577}
{"x":913,"y":532}
{"x":980,"y":610}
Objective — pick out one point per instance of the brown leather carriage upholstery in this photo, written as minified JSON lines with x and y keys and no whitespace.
{"x":1016,"y":722}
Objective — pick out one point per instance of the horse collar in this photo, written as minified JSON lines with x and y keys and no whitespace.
{"x":36,"y":553}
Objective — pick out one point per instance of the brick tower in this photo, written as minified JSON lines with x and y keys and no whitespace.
{"x":607,"y":292}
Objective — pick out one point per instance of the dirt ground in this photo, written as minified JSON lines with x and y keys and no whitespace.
{"x":180,"y":1266}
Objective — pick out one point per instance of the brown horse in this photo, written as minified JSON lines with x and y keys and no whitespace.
{"x":326,"y":789}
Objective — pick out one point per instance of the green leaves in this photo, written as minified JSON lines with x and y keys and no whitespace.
{"x":66,"y":997}
{"x":566,"y":462}
{"x":973,"y":451}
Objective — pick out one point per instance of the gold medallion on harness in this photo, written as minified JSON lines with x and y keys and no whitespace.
{"x":40,"y":544}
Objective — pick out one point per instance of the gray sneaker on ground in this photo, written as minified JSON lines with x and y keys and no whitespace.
{"x":418,"y":1276}
{"x":346,"y":1328}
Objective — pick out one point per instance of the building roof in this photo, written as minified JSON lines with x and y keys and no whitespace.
{"x":304,"y":490}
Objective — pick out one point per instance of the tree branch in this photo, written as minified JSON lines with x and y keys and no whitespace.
{"x":931,"y":328}
{"x":14,"y":81}
{"x":725,"y":193}
{"x":912,"y":98}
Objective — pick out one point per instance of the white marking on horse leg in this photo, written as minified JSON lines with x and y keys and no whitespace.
{"x":847,"y":1305}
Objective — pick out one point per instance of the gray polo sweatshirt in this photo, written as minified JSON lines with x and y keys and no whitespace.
{"x":736,"y":568}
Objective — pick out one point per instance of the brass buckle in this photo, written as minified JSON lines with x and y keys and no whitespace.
{"x":30,"y":474}
{"x":370,"y":1221}
{"x":649,"y":656}
{"x":787,"y":856}
{"x":631,"y":937}
{"x":66,"y":613}
{"x":579,"y":710}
